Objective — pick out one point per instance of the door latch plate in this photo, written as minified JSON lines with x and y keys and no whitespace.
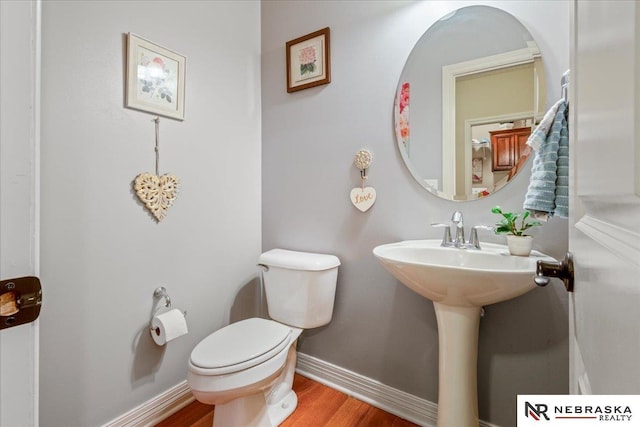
{"x":20,"y":301}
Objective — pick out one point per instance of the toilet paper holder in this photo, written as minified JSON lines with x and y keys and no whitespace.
{"x":161,"y":292}
{"x":158,"y":293}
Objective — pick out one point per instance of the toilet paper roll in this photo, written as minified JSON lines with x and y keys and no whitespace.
{"x":168,"y":326}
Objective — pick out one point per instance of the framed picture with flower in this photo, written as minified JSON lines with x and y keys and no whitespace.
{"x":155,"y":78}
{"x":308,"y":61}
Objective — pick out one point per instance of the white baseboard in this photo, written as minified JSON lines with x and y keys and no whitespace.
{"x":157,"y":409}
{"x":404,"y":405}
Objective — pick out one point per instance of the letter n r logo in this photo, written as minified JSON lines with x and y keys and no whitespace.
{"x":536,"y":411}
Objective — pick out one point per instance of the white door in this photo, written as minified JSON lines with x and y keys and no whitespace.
{"x":19,"y":133}
{"x":605,"y":204}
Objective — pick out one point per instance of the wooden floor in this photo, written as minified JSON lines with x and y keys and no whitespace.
{"x":318,"y":406}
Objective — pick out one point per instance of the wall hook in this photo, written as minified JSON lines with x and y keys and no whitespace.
{"x":364,"y":197}
{"x":362,"y":161}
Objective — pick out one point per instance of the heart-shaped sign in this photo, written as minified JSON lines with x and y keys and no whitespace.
{"x":156,"y":192}
{"x":363,"y":198}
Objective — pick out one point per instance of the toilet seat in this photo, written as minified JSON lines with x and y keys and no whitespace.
{"x":240,"y":346}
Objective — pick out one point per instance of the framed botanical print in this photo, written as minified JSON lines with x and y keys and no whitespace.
{"x":308,"y":61}
{"x":155,"y":78}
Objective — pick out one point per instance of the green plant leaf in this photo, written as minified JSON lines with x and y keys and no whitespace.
{"x":501,"y":229}
{"x":509,"y":222}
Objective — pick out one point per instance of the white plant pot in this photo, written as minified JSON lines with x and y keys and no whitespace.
{"x":519,"y":245}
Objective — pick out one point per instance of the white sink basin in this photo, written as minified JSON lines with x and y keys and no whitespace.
{"x":460,"y":277}
{"x":459,"y":282}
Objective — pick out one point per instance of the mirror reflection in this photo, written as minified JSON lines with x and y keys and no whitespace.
{"x":471,"y":91}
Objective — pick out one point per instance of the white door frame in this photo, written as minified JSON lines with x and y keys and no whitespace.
{"x":20,"y":193}
{"x":449,"y":75}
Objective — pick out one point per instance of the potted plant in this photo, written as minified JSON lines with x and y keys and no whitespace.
{"x":519,"y":243}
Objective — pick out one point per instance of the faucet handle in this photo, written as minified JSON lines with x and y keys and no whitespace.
{"x":474,"y":242}
{"x":446,"y":238}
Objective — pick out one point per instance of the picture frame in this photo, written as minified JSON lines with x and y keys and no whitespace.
{"x":309,"y":61}
{"x":155,"y":78}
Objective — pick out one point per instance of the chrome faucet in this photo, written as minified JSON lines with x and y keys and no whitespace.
{"x":456,"y":220}
{"x":459,"y":242}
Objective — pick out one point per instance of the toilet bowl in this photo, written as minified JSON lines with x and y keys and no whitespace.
{"x":246,"y":369}
{"x":243,"y":367}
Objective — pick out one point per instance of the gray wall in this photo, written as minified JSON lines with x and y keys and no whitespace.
{"x":381,"y":329}
{"x":102,"y":253}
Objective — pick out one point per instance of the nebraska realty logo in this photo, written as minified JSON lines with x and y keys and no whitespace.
{"x":578,"y":410}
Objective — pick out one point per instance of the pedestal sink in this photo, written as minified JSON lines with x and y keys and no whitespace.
{"x":459,"y":282}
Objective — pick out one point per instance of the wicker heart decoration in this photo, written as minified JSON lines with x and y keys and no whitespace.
{"x":156,"y":192}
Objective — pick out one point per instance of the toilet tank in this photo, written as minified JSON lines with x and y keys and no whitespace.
{"x":300,"y":286}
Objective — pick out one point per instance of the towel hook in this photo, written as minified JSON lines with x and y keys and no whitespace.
{"x":564,"y":85}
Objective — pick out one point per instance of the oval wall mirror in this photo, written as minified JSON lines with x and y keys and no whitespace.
{"x":471,"y":91}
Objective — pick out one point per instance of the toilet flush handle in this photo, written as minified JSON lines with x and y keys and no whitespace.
{"x":263,"y":267}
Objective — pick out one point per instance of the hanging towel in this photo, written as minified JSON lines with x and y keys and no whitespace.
{"x":548,"y":191}
{"x":541,"y":132}
{"x":562,"y":181}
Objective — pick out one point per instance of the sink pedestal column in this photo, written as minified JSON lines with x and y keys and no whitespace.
{"x":458,"y":365}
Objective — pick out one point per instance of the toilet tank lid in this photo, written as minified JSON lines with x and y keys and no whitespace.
{"x":295,"y":260}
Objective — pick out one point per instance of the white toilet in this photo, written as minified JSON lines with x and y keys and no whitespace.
{"x":246,"y":369}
